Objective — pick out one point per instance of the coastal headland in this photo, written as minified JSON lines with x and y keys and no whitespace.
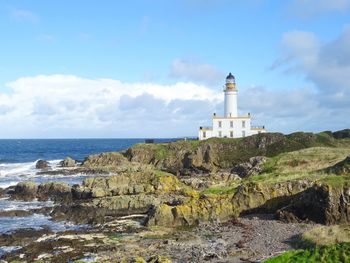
{"x":217,"y":200}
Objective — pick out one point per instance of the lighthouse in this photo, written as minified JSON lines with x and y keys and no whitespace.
{"x":231,"y":125}
{"x":230,"y":97}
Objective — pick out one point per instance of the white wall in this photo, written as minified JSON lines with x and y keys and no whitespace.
{"x":208,"y":134}
{"x":226,"y":128}
{"x":230,"y":104}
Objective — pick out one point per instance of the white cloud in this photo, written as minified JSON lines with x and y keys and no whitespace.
{"x":69,"y":106}
{"x":309,"y":8}
{"x":22,"y":15}
{"x":197,"y":72}
{"x":327,"y":67}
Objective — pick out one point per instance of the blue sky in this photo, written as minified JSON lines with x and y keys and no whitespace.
{"x":156,"y":68}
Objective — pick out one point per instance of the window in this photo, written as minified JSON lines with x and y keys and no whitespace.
{"x":243,"y":124}
{"x":231,"y":124}
{"x":220,"y":124}
{"x":204,"y":134}
{"x":231,"y":134}
{"x":220,"y":134}
{"x":243,"y":133}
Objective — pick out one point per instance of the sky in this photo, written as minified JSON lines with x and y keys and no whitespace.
{"x":156,"y":68}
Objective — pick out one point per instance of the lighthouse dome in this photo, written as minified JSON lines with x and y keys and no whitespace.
{"x":230,"y":78}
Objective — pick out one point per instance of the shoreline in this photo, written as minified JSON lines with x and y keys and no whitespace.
{"x":130,"y":198}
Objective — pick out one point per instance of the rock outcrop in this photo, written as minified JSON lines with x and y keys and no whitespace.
{"x":2,"y":192}
{"x":42,"y":164}
{"x":250,"y":197}
{"x":322,"y":203}
{"x":104,"y":198}
{"x":252,"y":167}
{"x":213,"y":154}
{"x":25,"y":191}
{"x":104,"y":159}
{"x":68,"y":162}
{"x":205,"y":209}
{"x":55,"y":191}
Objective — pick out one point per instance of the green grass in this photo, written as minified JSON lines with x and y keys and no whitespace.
{"x":116,"y":237}
{"x":336,"y":180}
{"x":219,"y":190}
{"x":310,"y":159}
{"x":326,"y":235}
{"x":327,"y":254}
{"x":159,"y":173}
{"x":307,"y":163}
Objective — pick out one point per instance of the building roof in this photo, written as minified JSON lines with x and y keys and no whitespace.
{"x":230,"y":76}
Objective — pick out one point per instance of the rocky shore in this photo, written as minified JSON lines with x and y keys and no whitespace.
{"x":220,"y":200}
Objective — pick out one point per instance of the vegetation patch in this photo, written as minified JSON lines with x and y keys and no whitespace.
{"x":336,"y":180}
{"x":220,"y":190}
{"x":327,"y":235}
{"x":326,"y":254}
{"x":307,"y":164}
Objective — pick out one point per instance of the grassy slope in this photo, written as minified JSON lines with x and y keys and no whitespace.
{"x":327,"y":254}
{"x":303,"y":164}
{"x":326,"y":235}
{"x":227,"y":152}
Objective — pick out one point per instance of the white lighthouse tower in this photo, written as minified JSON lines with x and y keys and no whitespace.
{"x":230,"y":97}
{"x":231,"y":125}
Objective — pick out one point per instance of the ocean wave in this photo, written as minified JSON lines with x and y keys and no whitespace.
{"x":13,"y":173}
{"x":10,"y":205}
{"x":35,"y":221}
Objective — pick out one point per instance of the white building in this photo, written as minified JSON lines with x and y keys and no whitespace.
{"x":230,"y":125}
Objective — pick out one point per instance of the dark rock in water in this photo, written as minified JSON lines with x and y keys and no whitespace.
{"x":340,"y":168}
{"x":102,"y":210}
{"x":2,"y":192}
{"x":68,"y":172}
{"x":56,"y":191}
{"x":42,"y":164}
{"x":253,"y":166}
{"x":68,"y":162}
{"x":13,"y":213}
{"x":25,"y":191}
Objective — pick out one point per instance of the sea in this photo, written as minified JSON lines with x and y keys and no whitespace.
{"x":17,"y":164}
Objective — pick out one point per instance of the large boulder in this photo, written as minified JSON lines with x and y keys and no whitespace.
{"x":25,"y":191}
{"x":252,"y":167}
{"x":322,"y":203}
{"x":56,"y":191}
{"x":42,"y":164}
{"x":68,"y":162}
{"x":214,"y":208}
{"x":101,"y":210}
